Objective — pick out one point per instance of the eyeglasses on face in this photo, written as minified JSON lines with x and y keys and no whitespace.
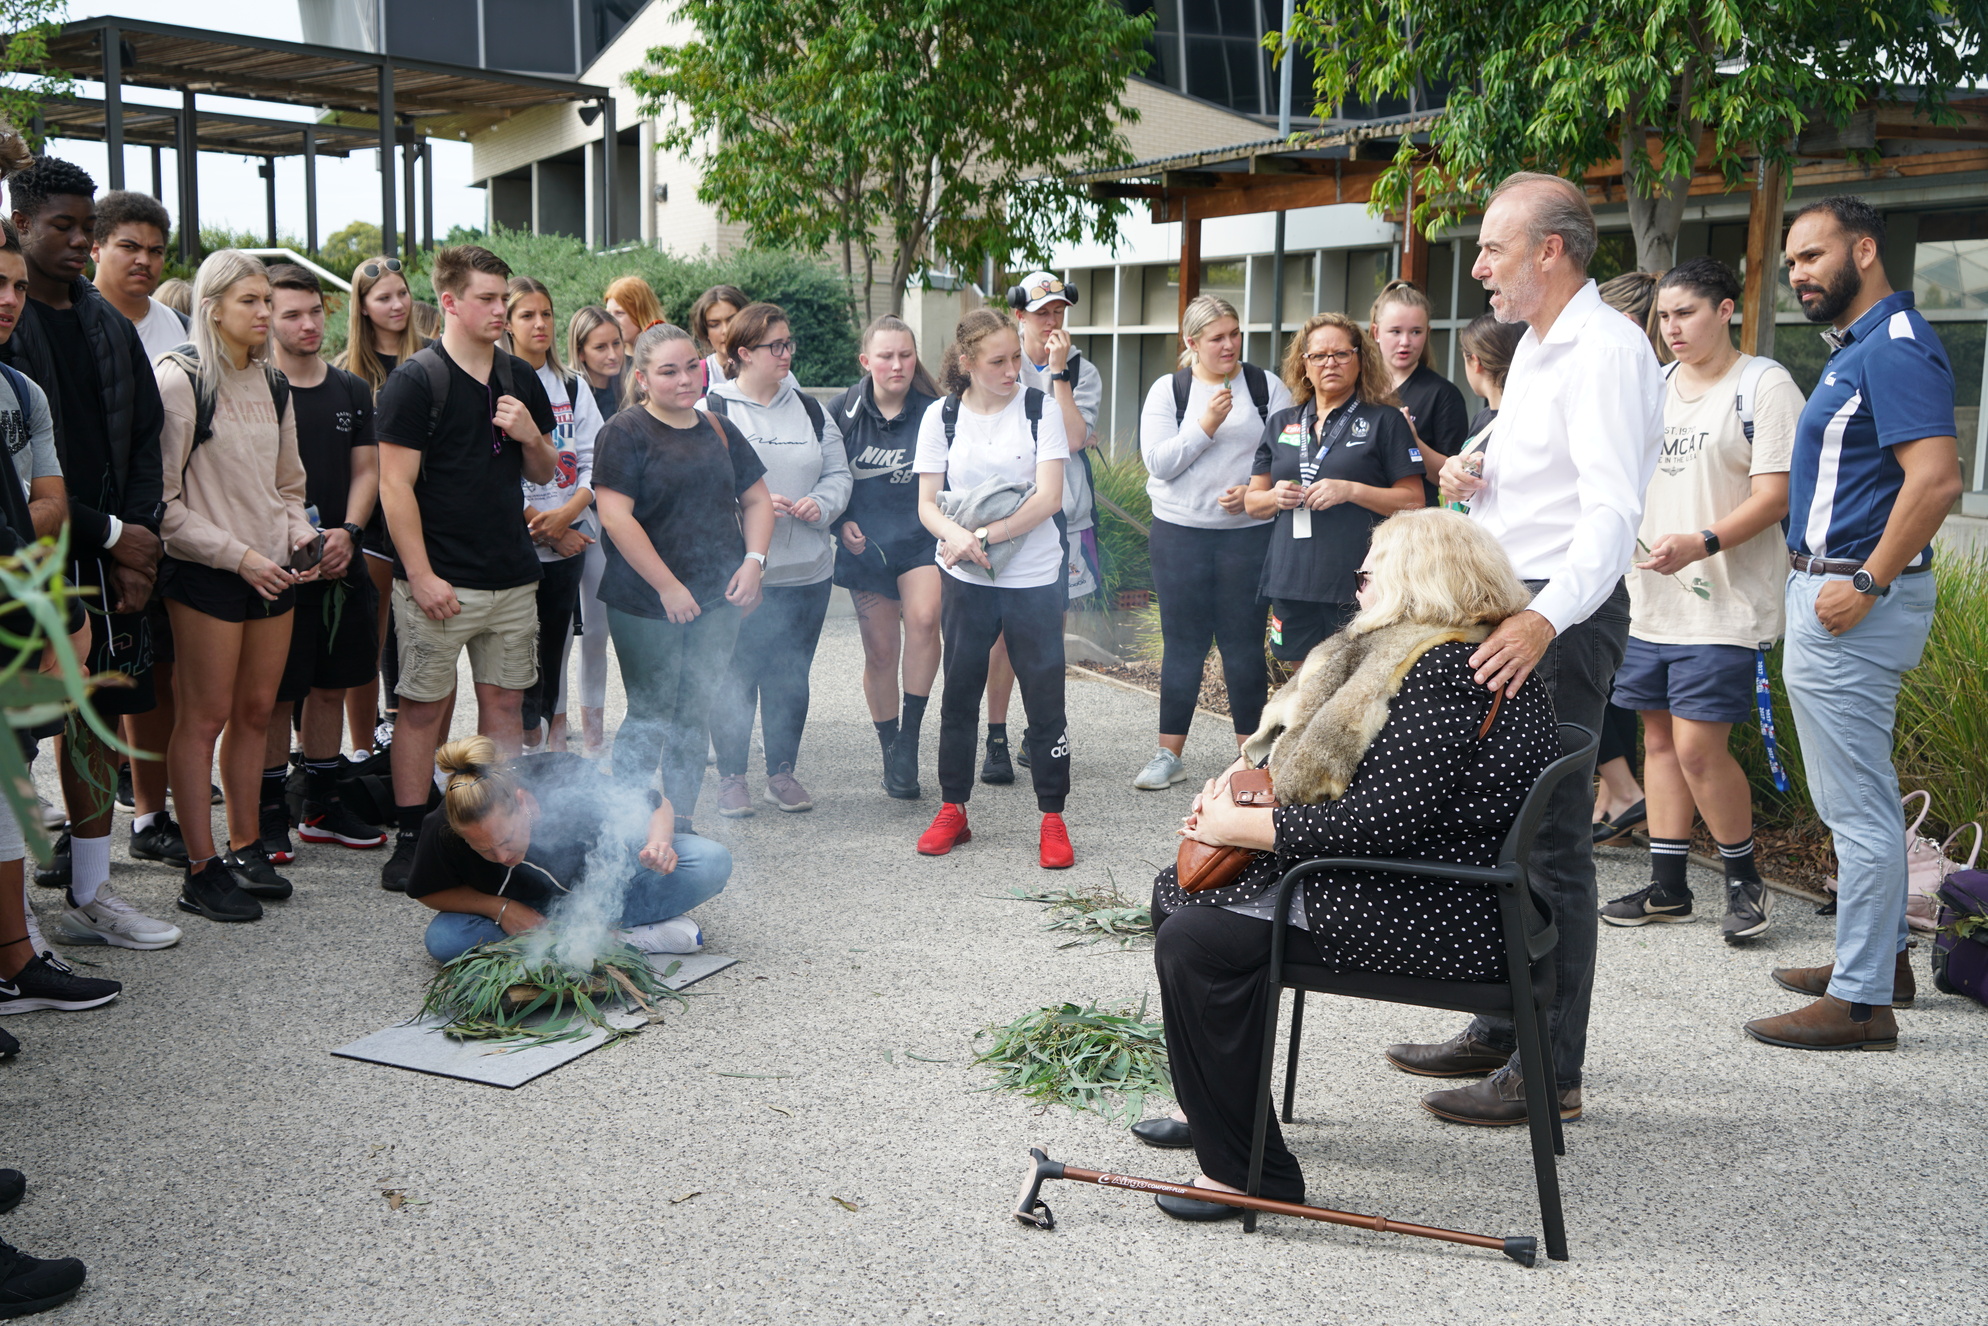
{"x":374,"y":269}
{"x":1318,"y":357}
{"x":778,"y":349}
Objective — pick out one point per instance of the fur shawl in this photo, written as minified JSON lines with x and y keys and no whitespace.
{"x":1318,"y":727}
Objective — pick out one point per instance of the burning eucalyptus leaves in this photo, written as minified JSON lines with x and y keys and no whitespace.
{"x":497,"y":991}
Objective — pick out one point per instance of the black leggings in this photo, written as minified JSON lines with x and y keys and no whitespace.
{"x":1618,"y":736}
{"x":769,"y":672}
{"x":971,"y":619}
{"x":558,"y":597}
{"x":1206,"y":580}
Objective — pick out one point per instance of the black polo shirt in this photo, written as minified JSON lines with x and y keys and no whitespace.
{"x":1369,"y":444}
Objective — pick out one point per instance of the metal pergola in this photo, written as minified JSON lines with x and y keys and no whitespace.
{"x":369,"y":100}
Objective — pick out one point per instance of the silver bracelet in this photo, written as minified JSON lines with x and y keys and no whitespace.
{"x":500,"y":912}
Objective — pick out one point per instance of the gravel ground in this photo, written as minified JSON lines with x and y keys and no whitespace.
{"x":198,"y":1145}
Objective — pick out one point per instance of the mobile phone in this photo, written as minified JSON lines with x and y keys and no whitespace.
{"x":308,"y":556}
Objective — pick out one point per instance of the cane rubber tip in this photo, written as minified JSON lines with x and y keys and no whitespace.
{"x":1524,"y":1250}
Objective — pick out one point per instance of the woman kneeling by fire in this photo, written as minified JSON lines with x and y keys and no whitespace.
{"x":1378,"y":747}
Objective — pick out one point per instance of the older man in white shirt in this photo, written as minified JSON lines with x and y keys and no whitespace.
{"x":1562,"y":489}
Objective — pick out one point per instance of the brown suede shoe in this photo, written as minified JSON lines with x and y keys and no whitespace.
{"x":1814,"y":981}
{"x":1460,"y":1056}
{"x":1827,"y":1025}
{"x":1497,"y":1102}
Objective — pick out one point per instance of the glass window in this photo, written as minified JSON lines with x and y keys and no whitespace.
{"x":1161,"y":287}
{"x":1950,"y":264}
{"x":1224,"y":279}
{"x":529,"y":36}
{"x":1367,"y":271}
{"x":442,"y":30}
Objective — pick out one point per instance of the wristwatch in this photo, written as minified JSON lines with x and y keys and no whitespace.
{"x":759,"y":557}
{"x":1711,"y":541}
{"x":1068,"y":374}
{"x":358,"y":535}
{"x":1865,"y":583}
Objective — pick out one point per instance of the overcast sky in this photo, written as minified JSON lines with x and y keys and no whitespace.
{"x":231,"y":192}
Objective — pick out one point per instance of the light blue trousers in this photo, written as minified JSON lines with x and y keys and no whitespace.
{"x":1844,"y":691}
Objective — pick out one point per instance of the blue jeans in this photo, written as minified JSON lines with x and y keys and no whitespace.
{"x":1844,"y":691}
{"x":671,"y":674}
{"x":702,"y":867}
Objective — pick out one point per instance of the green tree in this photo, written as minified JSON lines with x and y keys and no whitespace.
{"x":28,"y":25}
{"x":1563,"y":85}
{"x":901,"y":136}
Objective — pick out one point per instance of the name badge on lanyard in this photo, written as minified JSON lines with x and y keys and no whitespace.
{"x":1301,"y":516}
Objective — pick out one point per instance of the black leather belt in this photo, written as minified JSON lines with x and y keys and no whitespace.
{"x":1836,"y":566}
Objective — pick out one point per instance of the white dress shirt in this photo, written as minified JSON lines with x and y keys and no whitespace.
{"x":1577,"y":442}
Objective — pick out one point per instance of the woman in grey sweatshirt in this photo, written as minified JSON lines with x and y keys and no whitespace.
{"x":807,"y":473}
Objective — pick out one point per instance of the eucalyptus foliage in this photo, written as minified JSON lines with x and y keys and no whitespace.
{"x":1564,"y":85}
{"x":513,"y":990}
{"x":1105,"y":1060}
{"x":28,"y":24}
{"x":901,"y":136}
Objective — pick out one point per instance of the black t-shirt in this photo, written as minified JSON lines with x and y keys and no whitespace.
{"x":686,"y":489}
{"x":332,"y":418}
{"x":883,"y":502}
{"x":1437,"y":407}
{"x":1481,"y":421}
{"x":85,"y":439}
{"x":1374,"y":447}
{"x":470,"y":472}
{"x":574,"y":802}
{"x":607,"y":399}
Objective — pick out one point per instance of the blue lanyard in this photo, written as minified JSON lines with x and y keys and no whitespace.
{"x":1763,"y":697}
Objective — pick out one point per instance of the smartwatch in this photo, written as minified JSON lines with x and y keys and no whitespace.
{"x":1069,"y":375}
{"x":1865,"y":583}
{"x":357,"y":535}
{"x":759,"y":557}
{"x":1711,"y":541}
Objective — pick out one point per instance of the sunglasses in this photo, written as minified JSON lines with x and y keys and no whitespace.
{"x":778,"y":349}
{"x":374,"y":269}
{"x":1361,"y":579}
{"x":1045,"y":288}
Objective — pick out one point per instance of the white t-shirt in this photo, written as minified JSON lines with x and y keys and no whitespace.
{"x":161,"y":330}
{"x":1704,"y":471}
{"x":998,"y":446}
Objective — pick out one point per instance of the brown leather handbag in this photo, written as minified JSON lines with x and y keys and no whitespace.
{"x":1200,"y":866}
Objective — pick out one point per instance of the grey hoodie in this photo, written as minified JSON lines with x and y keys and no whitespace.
{"x":797,"y":465}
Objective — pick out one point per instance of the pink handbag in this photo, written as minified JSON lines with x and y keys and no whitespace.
{"x":1928,"y":864}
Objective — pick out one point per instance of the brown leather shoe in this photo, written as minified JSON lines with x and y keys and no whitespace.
{"x":1827,"y":1025}
{"x":1459,"y":1056}
{"x":1814,"y":981}
{"x":1497,"y":1102}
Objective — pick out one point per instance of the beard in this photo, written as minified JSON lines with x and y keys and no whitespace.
{"x":1834,"y":295}
{"x":1516,"y":299}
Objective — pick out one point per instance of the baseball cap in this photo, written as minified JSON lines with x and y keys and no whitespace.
{"x":1040,"y":289}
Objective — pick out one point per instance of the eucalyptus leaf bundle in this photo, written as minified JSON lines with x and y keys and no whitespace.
{"x":1103,"y":1060}
{"x":512,"y":989}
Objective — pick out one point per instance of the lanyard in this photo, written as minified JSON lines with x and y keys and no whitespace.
{"x":1308,"y":462}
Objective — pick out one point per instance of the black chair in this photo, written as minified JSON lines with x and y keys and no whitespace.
{"x":1526,"y":919}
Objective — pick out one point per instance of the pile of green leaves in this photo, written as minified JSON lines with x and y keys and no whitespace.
{"x":1105,"y":1060}
{"x":1094,"y":914}
{"x":470,"y":993}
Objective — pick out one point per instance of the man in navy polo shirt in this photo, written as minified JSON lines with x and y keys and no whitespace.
{"x":1876,"y":469}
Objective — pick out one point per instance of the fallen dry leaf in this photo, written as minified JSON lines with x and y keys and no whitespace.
{"x":395,"y":1198}
{"x":781,"y":1109}
{"x":844,"y":1203}
{"x":675,"y":1201}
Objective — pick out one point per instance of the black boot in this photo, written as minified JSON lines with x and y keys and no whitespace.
{"x":901,"y":769}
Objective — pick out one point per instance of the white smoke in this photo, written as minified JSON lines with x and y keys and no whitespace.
{"x":587,"y":921}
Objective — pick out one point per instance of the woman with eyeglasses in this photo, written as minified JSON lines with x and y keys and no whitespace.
{"x":683,"y":500}
{"x":807,"y":475}
{"x":379,"y":334}
{"x":1399,"y":323}
{"x":1198,"y":435}
{"x":1337,"y":463}
{"x":598,"y":353}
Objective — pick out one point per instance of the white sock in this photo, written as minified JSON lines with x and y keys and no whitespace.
{"x":140,"y":823}
{"x":89,"y":868}
{"x":35,"y":941}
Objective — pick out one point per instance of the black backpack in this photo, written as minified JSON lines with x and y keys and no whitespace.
{"x":1031,"y":406}
{"x":436,"y":370}
{"x":1254,"y":378}
{"x":188,"y":360}
{"x":715,"y":404}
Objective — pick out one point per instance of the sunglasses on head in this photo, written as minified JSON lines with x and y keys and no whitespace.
{"x":374,"y":269}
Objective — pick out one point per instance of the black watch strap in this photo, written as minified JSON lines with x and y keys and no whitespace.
{"x":358,"y":534}
{"x":1711,"y":541}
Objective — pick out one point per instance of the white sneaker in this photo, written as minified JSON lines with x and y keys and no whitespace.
{"x":679,"y":934}
{"x":109,"y":919}
{"x":51,"y":818}
{"x":1161,"y":772}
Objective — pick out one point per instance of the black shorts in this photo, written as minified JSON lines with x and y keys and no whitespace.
{"x":160,"y":623}
{"x":1296,"y":626}
{"x":334,"y":637}
{"x":119,"y":642}
{"x":220,"y":594}
{"x":877,"y":570}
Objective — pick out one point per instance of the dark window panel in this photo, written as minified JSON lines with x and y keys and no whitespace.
{"x":529,"y":36}
{"x":442,"y":30}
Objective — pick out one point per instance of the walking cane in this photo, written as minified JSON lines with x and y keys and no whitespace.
{"x":1031,"y":1210}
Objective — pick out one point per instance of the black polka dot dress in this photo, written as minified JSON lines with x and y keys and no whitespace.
{"x":1426,"y":789}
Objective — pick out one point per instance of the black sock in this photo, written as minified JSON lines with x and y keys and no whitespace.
{"x":1738,"y":859}
{"x":886,"y":733}
{"x":996,"y":732}
{"x":914,"y":712}
{"x":410,"y":817}
{"x":272,"y":784}
{"x":321,"y":779}
{"x":1669,"y":858}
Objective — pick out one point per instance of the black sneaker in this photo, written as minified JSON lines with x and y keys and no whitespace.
{"x":1747,"y":905}
{"x":213,"y":892}
{"x":997,"y":768}
{"x":253,"y":873}
{"x":30,"y":1284}
{"x":46,"y":981}
{"x":275,"y":833}
{"x":160,"y":841}
{"x":1022,"y":758}
{"x":331,"y":822}
{"x":1647,"y":905}
{"x":13,"y":1187}
{"x":215,"y":797}
{"x":124,"y":794}
{"x":9,"y":1047}
{"x":394,"y":874}
{"x":55,"y":875}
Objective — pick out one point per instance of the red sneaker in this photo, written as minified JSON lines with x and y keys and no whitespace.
{"x":1056,"y":853}
{"x":948,"y":831}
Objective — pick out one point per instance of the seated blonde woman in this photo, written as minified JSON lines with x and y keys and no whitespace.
{"x":1374,"y":750}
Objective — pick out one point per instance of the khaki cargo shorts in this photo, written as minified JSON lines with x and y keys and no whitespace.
{"x":499,"y":627}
